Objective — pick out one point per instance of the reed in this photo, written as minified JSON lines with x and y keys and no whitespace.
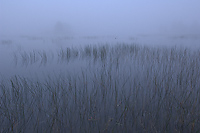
{"x":129,"y":88}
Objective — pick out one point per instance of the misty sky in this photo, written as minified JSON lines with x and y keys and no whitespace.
{"x":100,"y":17}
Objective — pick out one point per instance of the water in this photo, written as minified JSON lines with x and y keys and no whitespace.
{"x":99,"y":83}
{"x":32,"y":56}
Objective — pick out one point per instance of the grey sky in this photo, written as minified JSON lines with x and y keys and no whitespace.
{"x":101,"y":17}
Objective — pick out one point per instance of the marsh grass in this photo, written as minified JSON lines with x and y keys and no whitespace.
{"x":6,"y":42}
{"x":127,"y":88}
{"x":39,"y":57}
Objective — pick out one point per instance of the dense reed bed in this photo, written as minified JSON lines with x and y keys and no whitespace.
{"x":124,"y":88}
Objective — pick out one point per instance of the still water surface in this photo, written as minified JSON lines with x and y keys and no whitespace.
{"x":36,"y":56}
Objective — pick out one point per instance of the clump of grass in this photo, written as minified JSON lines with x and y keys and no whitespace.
{"x":34,"y":57}
{"x":67,"y":54}
{"x":6,"y":42}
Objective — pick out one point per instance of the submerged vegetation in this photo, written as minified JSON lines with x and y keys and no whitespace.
{"x":123,"y":88}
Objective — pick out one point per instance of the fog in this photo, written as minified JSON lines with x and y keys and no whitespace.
{"x":99,"y":65}
{"x":97,"y":18}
